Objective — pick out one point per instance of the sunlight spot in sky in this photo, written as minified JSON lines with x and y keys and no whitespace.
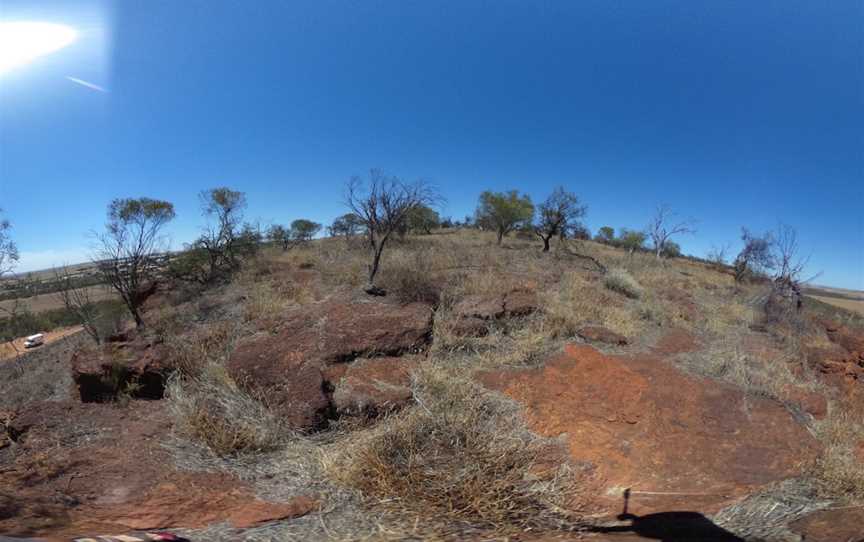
{"x":23,"y":41}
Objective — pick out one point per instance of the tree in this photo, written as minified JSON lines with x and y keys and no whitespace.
{"x":559,"y":214}
{"x":580,"y":232}
{"x":423,"y":219}
{"x":717,"y":255}
{"x":671,"y":250}
{"x":128,"y":250}
{"x":278,"y":234}
{"x":631,"y":240}
{"x":8,"y":248}
{"x":787,"y":277}
{"x":663,"y":226}
{"x":78,"y":300}
{"x":221,"y":238}
{"x":504,"y":212}
{"x":756,"y":257}
{"x":605,"y":235}
{"x":347,"y":225}
{"x":383,"y":202}
{"x":303,"y":230}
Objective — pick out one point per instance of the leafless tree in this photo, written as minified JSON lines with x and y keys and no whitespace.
{"x":559,"y":214}
{"x":383,"y":203}
{"x":717,"y":255}
{"x":788,"y":265}
{"x":78,"y":300}
{"x":664,"y":225}
{"x":128,"y":249}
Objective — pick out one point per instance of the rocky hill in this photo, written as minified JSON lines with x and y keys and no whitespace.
{"x":494,"y":393}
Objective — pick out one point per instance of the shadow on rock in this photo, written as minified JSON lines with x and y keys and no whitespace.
{"x":670,"y":526}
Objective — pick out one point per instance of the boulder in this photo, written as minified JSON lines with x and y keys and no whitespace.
{"x":288,"y":367}
{"x":601,"y":334}
{"x":810,"y":402}
{"x":680,"y":442}
{"x":374,"y":386}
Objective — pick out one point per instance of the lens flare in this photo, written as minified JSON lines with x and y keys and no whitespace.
{"x":22,"y":42}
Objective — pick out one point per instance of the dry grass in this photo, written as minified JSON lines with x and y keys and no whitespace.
{"x":619,"y":280}
{"x":839,"y":472}
{"x":213,"y":410}
{"x":462,"y":455}
{"x":579,"y":301}
{"x":191,"y":352}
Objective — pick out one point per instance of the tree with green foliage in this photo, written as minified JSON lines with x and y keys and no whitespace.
{"x":605,"y":235}
{"x":129,"y":247}
{"x":347,"y":225}
{"x":278,"y":234}
{"x":504,"y":212}
{"x":423,"y":219}
{"x":558,"y":215}
{"x":671,"y":249}
{"x":631,"y":240}
{"x":303,"y":230}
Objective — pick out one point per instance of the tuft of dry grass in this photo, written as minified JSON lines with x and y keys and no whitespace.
{"x":462,"y":454}
{"x":191,"y":352}
{"x":210,"y":408}
{"x":619,"y":280}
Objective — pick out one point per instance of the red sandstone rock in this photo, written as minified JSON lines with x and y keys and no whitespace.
{"x":646,"y":426}
{"x":601,"y":334}
{"x":373,"y":386}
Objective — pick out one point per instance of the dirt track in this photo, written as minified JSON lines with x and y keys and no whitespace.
{"x":8,"y":351}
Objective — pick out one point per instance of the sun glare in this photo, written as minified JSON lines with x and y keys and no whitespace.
{"x":22,"y":42}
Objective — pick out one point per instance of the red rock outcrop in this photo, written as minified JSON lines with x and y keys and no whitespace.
{"x":112,"y":474}
{"x":474,"y":312}
{"x":374,"y":386}
{"x":680,"y":442}
{"x":287,"y":367}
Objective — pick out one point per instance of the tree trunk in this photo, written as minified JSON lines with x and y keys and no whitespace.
{"x":500,"y":236}
{"x":546,"y":244}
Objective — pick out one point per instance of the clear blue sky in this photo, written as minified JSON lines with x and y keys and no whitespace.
{"x":737,"y":113}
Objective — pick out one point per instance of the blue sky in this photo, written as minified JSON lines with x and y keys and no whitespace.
{"x":734,"y":113}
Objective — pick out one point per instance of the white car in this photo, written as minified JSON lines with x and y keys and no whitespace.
{"x":34,"y":340}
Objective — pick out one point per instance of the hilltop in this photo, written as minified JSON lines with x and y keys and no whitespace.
{"x":494,"y":392}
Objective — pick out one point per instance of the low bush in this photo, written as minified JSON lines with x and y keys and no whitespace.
{"x":619,"y":280}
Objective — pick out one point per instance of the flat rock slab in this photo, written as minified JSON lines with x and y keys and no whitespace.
{"x":680,"y":442}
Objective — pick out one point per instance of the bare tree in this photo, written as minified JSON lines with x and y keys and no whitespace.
{"x":788,"y":265}
{"x":383,"y":203}
{"x":559,"y":214}
{"x":78,"y":299}
{"x":663,"y":226}
{"x":128,"y":250}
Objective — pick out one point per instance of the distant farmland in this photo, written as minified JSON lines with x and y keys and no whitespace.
{"x":851,"y":300}
{"x":44,"y":302}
